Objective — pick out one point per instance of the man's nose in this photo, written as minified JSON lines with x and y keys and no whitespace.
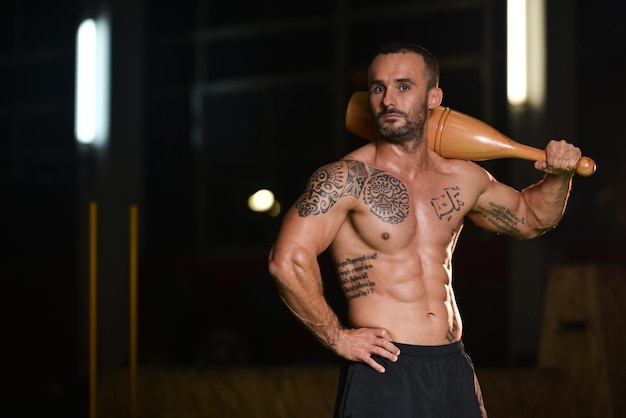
{"x":389,"y":99}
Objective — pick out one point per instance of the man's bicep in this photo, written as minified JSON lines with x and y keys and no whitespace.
{"x":319,"y":212}
{"x":315,"y":231}
{"x":329,"y":185}
{"x":500,"y":209}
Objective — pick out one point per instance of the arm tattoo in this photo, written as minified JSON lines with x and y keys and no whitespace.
{"x":386,"y":197}
{"x":503,"y":220}
{"x":328,"y":184}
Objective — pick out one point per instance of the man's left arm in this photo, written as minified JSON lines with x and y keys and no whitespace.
{"x":536,"y":209}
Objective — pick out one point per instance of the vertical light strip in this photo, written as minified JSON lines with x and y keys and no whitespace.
{"x":86,"y":79}
{"x":516,"y":52}
{"x":93,"y":309}
{"x":92,"y":82}
{"x":133,"y":288}
{"x":536,"y":38}
{"x":103,"y":59}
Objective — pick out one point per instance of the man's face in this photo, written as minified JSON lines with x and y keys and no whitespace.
{"x":398,"y":96}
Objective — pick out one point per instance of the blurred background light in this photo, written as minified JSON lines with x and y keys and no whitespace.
{"x":275,"y":209}
{"x":86,"y":56}
{"x":261,"y":201}
{"x":526,"y":50}
{"x":92,"y":82}
{"x":516,"y":52}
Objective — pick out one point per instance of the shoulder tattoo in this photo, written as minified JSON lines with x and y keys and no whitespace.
{"x":329,"y":183}
{"x":384,"y":194}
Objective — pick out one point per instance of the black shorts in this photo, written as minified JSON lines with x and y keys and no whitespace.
{"x":425,"y":382}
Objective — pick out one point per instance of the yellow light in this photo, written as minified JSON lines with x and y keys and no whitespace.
{"x":516,"y":61}
{"x":261,"y":201}
{"x":274,"y":211}
{"x":536,"y":39}
{"x":526,"y":50}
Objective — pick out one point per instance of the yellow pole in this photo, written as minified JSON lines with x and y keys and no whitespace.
{"x":93,"y":308}
{"x":133,"y":312}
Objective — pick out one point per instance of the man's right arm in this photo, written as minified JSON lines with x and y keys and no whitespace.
{"x":299,"y":282}
{"x":293,"y":264}
{"x":298,"y":279}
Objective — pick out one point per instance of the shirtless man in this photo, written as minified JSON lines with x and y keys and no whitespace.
{"x":390,"y":213}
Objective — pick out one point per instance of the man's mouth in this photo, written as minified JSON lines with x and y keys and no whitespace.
{"x":390,"y":114}
{"x":389,"y":117}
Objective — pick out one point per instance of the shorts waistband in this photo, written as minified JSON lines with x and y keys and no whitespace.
{"x":431,"y":350}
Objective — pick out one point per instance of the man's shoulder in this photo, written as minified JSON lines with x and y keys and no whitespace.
{"x":469,"y":170}
{"x":345,"y":176}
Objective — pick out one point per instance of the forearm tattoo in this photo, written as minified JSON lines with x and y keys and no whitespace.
{"x":501,"y":218}
{"x":354,"y":277}
{"x":385,"y":195}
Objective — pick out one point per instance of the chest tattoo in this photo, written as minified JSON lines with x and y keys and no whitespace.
{"x":386,"y":197}
{"x":447,"y":202}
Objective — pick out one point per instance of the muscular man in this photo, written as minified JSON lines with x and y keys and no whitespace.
{"x":390,"y":213}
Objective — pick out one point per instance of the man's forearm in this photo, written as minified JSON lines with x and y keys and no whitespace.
{"x":298,"y":279}
{"x":313,"y":311}
{"x":546,"y":201}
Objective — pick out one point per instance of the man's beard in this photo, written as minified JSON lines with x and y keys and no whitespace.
{"x":411,"y":131}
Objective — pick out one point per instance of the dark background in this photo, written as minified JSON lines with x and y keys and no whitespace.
{"x":214,"y":100}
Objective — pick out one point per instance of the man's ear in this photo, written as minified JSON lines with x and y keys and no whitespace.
{"x":435,"y":97}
